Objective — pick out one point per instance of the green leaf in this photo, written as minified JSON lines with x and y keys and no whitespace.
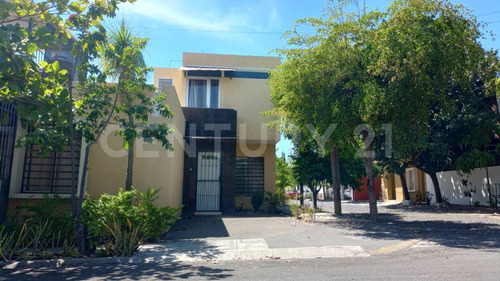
{"x":78,"y":104}
{"x":55,"y":66}
{"x":32,"y":48}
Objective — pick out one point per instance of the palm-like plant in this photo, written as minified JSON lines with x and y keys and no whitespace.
{"x":124,"y":61}
{"x":124,"y":48}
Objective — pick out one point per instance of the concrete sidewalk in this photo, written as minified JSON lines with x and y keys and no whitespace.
{"x":217,"y":238}
{"x":195,"y":250}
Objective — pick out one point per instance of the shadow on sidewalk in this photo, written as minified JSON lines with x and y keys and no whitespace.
{"x":195,"y":227}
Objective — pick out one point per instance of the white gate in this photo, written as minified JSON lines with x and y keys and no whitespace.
{"x":208,"y":182}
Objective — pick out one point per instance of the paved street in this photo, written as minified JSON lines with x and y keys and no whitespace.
{"x":417,"y":242}
{"x":411,"y":264}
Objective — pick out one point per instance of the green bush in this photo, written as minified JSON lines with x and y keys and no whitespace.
{"x":128,"y":208}
{"x":257,"y":200}
{"x":13,"y":243}
{"x":275,"y":201}
{"x":303,"y":211}
{"x":125,"y":241}
{"x":51,"y":210}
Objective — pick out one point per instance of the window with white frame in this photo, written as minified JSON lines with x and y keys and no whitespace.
{"x":411,"y":179}
{"x":203,"y":93}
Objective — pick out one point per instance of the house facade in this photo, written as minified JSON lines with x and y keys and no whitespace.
{"x":392,"y":188}
{"x":223,"y":150}
{"x":229,"y":152}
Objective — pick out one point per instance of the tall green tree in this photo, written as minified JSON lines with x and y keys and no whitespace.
{"x":44,"y":99}
{"x":123,"y":58}
{"x":284,"y":175}
{"x":311,"y":166}
{"x":352,"y":168}
{"x":324,"y":87}
{"x":423,"y":52}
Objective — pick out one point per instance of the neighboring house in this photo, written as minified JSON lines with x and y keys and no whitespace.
{"x":450,"y":182}
{"x":22,"y":171}
{"x":392,"y":189}
{"x":361,"y":194}
{"x":223,"y":151}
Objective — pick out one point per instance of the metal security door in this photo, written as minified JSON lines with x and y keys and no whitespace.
{"x":208,"y":182}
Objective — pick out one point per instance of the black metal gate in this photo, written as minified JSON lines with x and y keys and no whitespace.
{"x":8,"y":121}
{"x":208,"y":182}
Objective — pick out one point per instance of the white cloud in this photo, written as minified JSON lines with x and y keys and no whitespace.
{"x":192,"y":15}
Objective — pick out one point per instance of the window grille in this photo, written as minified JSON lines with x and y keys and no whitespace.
{"x":50,"y":173}
{"x":249,"y":175}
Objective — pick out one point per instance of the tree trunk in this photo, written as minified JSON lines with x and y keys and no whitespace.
{"x":372,"y":197}
{"x":301,"y":190}
{"x":82,"y":241}
{"x":437,"y":189}
{"x":314,"y":194}
{"x":334,"y":159}
{"x":406,"y":193}
{"x":130,"y":159}
{"x":84,"y":170}
{"x":4,"y":200}
{"x":315,"y":198}
{"x":490,"y":198}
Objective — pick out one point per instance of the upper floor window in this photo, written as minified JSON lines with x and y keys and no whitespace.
{"x":164,"y":82}
{"x":203,"y":93}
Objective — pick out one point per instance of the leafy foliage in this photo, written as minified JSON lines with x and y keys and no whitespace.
{"x":275,"y":202}
{"x":42,"y":91}
{"x":124,"y":60}
{"x":125,"y":242}
{"x":127,"y":208}
{"x":284,"y":174}
{"x":257,"y":200}
{"x":52,"y":210}
{"x":311,"y":167}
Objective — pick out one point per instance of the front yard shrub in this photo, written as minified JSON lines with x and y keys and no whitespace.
{"x":52,"y":210}
{"x":129,"y":216}
{"x":12,"y":243}
{"x":275,"y":201}
{"x":35,"y":241}
{"x":125,"y":242}
{"x":303,"y":211}
{"x":257,"y":200}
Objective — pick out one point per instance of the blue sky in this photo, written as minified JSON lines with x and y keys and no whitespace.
{"x":243,"y":27}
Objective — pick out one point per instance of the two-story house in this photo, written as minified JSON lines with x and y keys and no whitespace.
{"x":223,"y":150}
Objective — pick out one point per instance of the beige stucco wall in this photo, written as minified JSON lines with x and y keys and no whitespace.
{"x":154,"y":167}
{"x":251,"y":62}
{"x":268,"y":151}
{"x":250,"y":97}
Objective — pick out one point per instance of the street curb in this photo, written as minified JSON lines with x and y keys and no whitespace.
{"x":56,"y":263}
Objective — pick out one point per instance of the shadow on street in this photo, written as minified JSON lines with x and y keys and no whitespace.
{"x":449,"y":232}
{"x":118,"y":272}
